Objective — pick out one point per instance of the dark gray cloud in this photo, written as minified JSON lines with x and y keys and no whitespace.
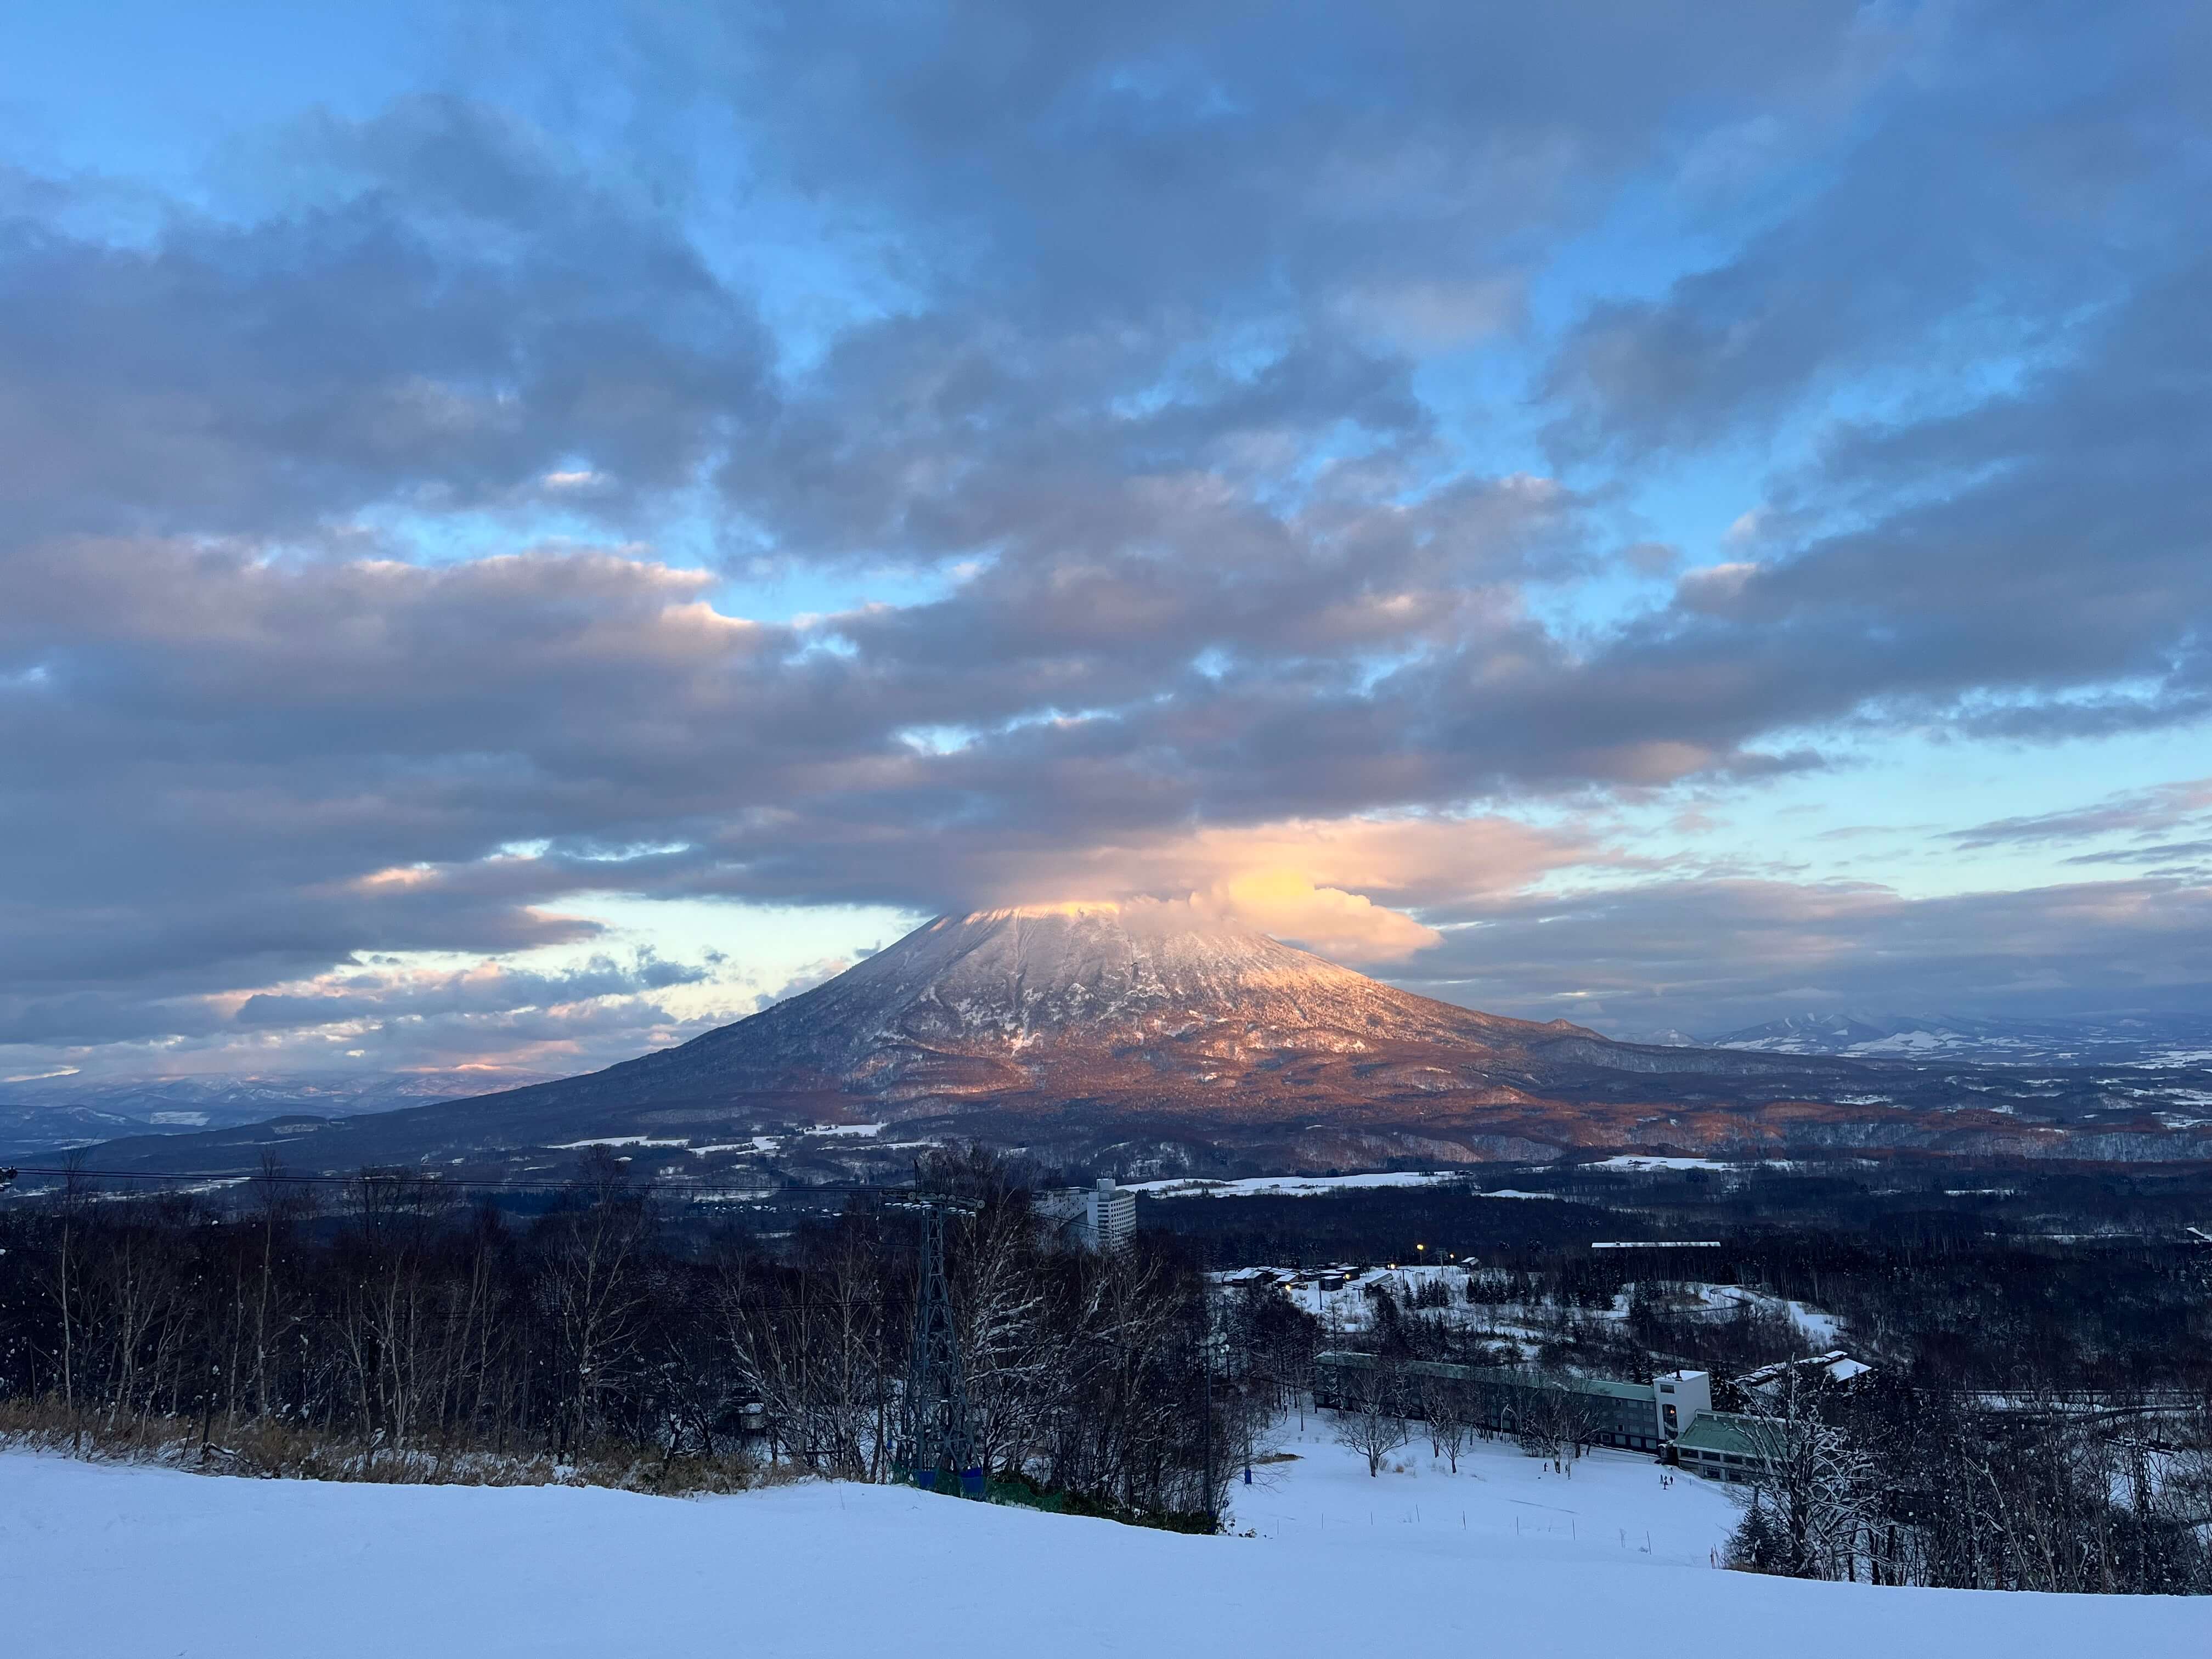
{"x":1709,"y":956}
{"x":1190,"y":157}
{"x":1193,"y":357}
{"x":370,"y":996}
{"x":457,"y":311}
{"x":1975,"y":207}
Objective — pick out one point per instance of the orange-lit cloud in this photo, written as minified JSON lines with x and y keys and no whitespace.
{"x":1331,"y":885}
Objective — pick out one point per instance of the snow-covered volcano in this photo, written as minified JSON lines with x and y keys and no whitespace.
{"x":1100,"y":978}
{"x":1149,"y":1033}
{"x":1152,"y":1005}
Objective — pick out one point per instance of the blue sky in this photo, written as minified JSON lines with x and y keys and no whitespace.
{"x":534,"y":529}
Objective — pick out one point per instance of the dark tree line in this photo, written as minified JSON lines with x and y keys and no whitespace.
{"x":1897,"y":1484}
{"x":1956,"y":1295}
{"x":1995,"y":1447}
{"x":387,"y":1321}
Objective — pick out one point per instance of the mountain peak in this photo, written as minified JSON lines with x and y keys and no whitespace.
{"x":1161,"y":1005}
{"x":1100,"y":973}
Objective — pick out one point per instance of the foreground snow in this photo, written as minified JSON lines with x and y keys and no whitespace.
{"x":111,"y":1561}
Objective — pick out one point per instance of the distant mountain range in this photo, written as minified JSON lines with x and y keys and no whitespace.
{"x":1146,"y":1040}
{"x":43,"y":1115}
{"x":2121,"y":1039}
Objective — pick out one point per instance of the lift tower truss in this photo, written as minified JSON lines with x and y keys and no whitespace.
{"x":938,"y":1445}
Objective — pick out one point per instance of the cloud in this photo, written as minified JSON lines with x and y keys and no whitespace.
{"x":386,"y":1016}
{"x":1346,"y":927}
{"x":1713,"y":588}
{"x":459,"y":316}
{"x":2144,"y":812}
{"x":1958,"y":210}
{"x":1414,"y":860}
{"x":1190,"y":158}
{"x":1436,"y":315}
{"x":489,"y":988}
{"x":2175,"y":854}
{"x":1712,"y":956}
{"x":1256,"y":412}
{"x":814,"y":974}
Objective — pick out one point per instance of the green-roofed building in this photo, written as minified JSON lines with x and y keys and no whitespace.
{"x":1720,"y":1446}
{"x":1507,"y":1399}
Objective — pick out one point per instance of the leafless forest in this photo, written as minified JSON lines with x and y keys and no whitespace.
{"x":384,"y":1324}
{"x":2032,"y":1422}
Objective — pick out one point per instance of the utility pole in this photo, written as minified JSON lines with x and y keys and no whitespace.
{"x":936,"y":1439}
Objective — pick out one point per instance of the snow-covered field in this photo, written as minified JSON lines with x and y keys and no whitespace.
{"x":1612,"y":1509}
{"x":1639,"y":1164}
{"x":1346,"y":1312}
{"x":1322,"y":1186}
{"x":100,"y":1560}
{"x":1286,"y":1186}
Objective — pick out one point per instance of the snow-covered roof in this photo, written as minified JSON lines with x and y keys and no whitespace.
{"x":1835,"y":1365}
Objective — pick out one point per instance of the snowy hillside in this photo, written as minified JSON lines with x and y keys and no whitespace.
{"x":114,"y":1563}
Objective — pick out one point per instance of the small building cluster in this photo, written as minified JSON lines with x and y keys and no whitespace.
{"x":1290,"y":1281}
{"x":1770,"y":1384}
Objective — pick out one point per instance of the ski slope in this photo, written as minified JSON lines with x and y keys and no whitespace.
{"x":1608,"y":1508}
{"x":106,"y":1562}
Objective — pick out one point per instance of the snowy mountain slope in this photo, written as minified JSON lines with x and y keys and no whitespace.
{"x":1156,"y":1039}
{"x":119,"y":1563}
{"x":1610,"y":1509}
{"x":1019,"y":985}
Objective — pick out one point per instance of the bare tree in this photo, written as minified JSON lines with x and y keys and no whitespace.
{"x":1369,"y":1415}
{"x":1000,"y":1302}
{"x":1813,"y":1489}
{"x":1446,"y":1405}
{"x":63,"y":1283}
{"x":593,"y":1287}
{"x":134,"y":1285}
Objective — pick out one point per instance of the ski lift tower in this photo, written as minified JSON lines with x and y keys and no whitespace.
{"x":937,"y":1445}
